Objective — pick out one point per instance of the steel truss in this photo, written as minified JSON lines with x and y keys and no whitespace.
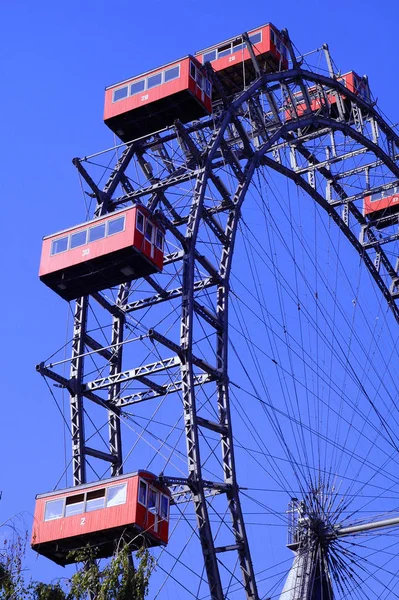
{"x":196,"y":177}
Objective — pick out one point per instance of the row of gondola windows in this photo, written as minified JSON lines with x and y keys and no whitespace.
{"x":137,"y":87}
{"x":394,"y":191}
{"x":85,"y":502}
{"x":230,"y":48}
{"x":153,"y":500}
{"x":106,"y":229}
{"x":85,"y":236}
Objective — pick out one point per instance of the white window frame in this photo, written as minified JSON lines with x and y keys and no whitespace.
{"x":151,"y":241}
{"x":63,"y":509}
{"x":225,"y":50}
{"x":121,"y":88}
{"x":104,"y":497}
{"x":139,"y":212}
{"x":72,"y":503}
{"x":62,"y":251}
{"x":161,"y":495}
{"x":169,"y":69}
{"x":256,"y":33}
{"x":153,"y":75}
{"x":95,"y":227}
{"x":110,"y":487}
{"x":74,"y":233}
{"x":215,"y":50}
{"x":154,"y":510}
{"x":146,"y":492}
{"x":139,"y":81}
{"x":157,"y":230}
{"x":115,"y":219}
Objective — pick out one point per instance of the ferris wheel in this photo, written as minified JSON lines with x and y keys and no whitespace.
{"x":233,"y":352}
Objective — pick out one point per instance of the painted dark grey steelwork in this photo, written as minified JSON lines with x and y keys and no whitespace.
{"x":244,"y":149}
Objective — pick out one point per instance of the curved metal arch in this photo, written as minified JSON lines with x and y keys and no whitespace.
{"x":296,"y":74}
{"x":334,"y":125}
{"x":259,"y":159}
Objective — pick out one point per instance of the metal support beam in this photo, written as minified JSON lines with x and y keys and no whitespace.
{"x":76,"y":397}
{"x":124,"y":376}
{"x":170,"y":295}
{"x":207,"y":315}
{"x":97,"y":193}
{"x":250,"y":48}
{"x":222,"y":429}
{"x":169,"y":388}
{"x":364,"y":527}
{"x":158,"y":288}
{"x":111,"y":458}
{"x":94,"y":345}
{"x":114,"y":416}
{"x":111,"y":308}
{"x":199,"y":362}
{"x":118,"y":174}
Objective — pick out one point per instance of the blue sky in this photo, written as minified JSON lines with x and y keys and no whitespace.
{"x":56,"y":58}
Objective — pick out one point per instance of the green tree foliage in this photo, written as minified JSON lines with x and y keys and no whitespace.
{"x":48,"y":591}
{"x":12,"y":576}
{"x":118,"y":580}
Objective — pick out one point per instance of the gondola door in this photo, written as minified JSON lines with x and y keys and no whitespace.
{"x":153,"y":509}
{"x":149,"y":239}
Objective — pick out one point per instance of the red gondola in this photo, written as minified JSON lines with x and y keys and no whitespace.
{"x":383,"y":204}
{"x":144,"y":104}
{"x":132,"y":507}
{"x":351,"y":80}
{"x":107,"y":251}
{"x":227,"y":58}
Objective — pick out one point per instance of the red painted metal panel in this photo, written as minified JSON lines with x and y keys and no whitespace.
{"x":106,"y":519}
{"x":353,"y":82}
{"x":84,"y":523}
{"x":387,"y":205}
{"x":184,"y":82}
{"x":112,"y":109}
{"x":357,"y":85}
{"x":262,"y":49}
{"x":50,"y":263}
{"x":150,"y":250}
{"x":92,"y":250}
{"x":242,"y":55}
{"x":155,"y":108}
